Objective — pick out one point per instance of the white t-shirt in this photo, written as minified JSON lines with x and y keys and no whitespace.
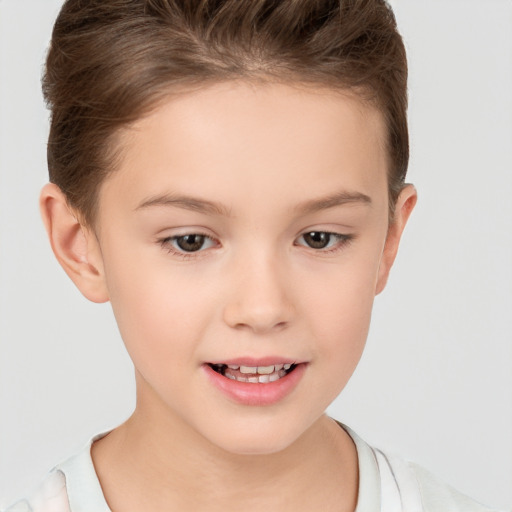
{"x":386,"y":484}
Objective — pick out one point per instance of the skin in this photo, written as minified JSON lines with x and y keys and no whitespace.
{"x":256,"y":288}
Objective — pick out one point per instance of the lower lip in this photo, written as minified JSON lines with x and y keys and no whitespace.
{"x":248,"y":393}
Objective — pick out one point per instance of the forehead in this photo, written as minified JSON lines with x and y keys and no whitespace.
{"x":246,"y":136}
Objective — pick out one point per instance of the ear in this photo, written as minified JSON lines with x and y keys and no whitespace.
{"x":403,"y":208}
{"x":75,"y":246}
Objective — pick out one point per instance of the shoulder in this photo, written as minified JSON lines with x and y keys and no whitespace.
{"x":438,"y":496}
{"x":390,"y":483}
{"x":72,"y":486}
{"x":51,"y":496}
{"x":433,"y":494}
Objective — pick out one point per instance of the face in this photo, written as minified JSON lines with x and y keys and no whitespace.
{"x":242,"y":243}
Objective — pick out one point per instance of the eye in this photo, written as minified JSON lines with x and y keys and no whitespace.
{"x":192,"y":242}
{"x":324,"y":240}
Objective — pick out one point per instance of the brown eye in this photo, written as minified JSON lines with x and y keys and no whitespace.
{"x":187,"y":245}
{"x":317,"y":239}
{"x":324,"y":241}
{"x":190,"y":243}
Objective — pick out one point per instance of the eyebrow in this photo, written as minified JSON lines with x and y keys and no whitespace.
{"x":186,"y":202}
{"x":211,"y":208}
{"x":330,"y":201}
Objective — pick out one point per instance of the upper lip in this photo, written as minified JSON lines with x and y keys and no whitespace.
{"x":255,"y":361}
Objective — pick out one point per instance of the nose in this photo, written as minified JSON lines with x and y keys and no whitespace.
{"x":260,"y":296}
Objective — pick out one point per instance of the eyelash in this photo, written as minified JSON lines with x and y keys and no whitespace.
{"x":166,"y":243}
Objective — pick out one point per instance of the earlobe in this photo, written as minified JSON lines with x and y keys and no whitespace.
{"x":404,"y":206}
{"x":74,"y":245}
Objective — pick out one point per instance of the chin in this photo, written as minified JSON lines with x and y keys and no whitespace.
{"x":257,"y":438}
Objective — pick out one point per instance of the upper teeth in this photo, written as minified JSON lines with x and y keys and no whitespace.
{"x":261,"y":370}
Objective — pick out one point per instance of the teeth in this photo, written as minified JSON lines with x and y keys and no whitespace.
{"x":265,"y":370}
{"x":253,"y":374}
{"x":256,"y":374}
{"x":248,"y":369}
{"x":260,"y":370}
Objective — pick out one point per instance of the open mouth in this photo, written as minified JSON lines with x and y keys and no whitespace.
{"x":254,"y":374}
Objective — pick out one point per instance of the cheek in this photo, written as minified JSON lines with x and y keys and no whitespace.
{"x":341,"y":325}
{"x":160,"y":314}
{"x":339,"y":305}
{"x":342,"y":294}
{"x":341,"y":330}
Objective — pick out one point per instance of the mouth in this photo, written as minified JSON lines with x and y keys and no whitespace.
{"x":253,"y":374}
{"x":256,"y":382}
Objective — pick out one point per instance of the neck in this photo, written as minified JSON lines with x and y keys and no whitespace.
{"x":151,"y":462}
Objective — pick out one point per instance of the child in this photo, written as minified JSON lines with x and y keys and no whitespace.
{"x":230,"y":176}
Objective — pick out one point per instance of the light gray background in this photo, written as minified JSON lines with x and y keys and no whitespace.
{"x":435,"y":384}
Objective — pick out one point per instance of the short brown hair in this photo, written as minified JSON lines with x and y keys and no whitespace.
{"x":111,"y":61}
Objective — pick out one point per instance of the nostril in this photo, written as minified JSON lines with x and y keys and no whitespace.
{"x":259,"y":326}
